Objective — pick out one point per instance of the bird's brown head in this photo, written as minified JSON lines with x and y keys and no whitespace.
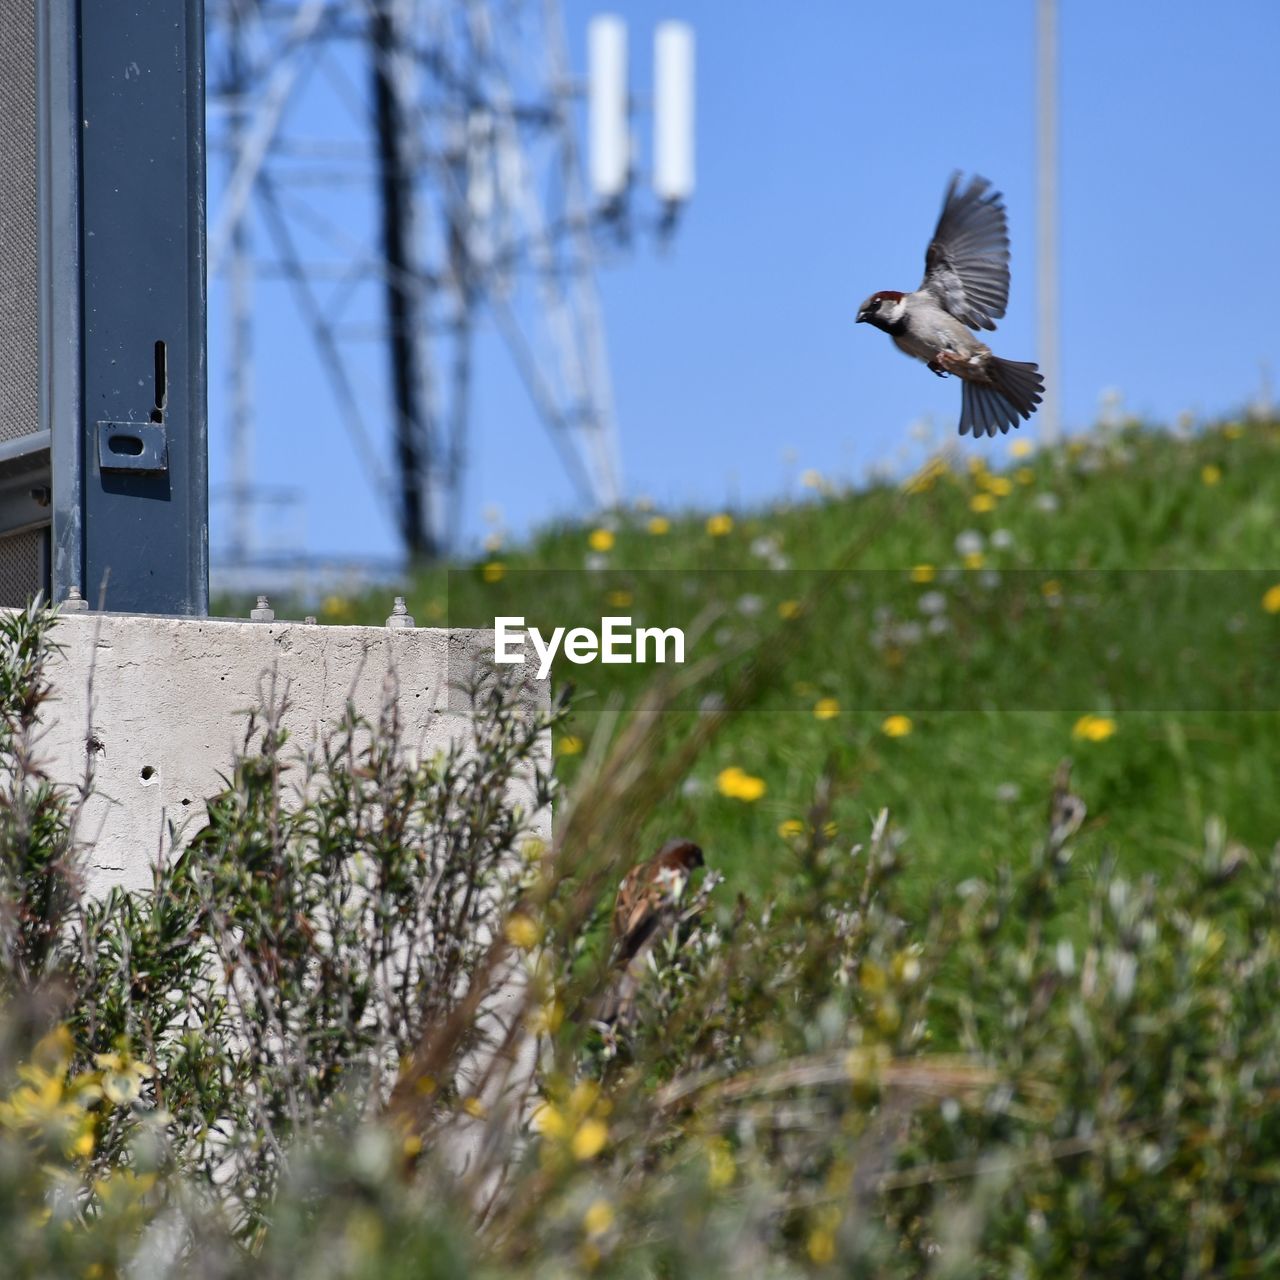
{"x":680,"y":853}
{"x":877,"y":308}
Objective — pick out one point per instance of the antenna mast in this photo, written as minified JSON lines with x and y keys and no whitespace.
{"x":1047,"y":218}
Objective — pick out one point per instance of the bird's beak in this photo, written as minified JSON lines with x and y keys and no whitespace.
{"x":862,"y":315}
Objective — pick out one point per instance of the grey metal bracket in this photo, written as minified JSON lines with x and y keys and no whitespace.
{"x":24,"y":483}
{"x":133,"y":446}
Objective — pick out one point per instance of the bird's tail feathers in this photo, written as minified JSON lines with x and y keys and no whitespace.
{"x":1015,"y":389}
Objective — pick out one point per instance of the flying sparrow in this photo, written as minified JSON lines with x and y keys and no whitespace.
{"x":965,"y":287}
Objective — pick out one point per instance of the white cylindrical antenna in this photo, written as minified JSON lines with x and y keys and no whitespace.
{"x":673,"y":112}
{"x":607,"y":106}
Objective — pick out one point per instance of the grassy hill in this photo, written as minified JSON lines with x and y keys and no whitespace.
{"x":941,"y":646}
{"x":971,"y":1043}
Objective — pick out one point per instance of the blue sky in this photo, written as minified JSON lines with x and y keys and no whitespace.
{"x":826,"y":133}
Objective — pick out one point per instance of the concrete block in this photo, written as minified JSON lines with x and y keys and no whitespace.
{"x":162,"y":705}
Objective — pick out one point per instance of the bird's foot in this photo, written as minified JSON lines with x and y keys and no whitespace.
{"x":948,"y":362}
{"x":934,"y":367}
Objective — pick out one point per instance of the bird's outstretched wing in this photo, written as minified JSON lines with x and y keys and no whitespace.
{"x":966,"y":267}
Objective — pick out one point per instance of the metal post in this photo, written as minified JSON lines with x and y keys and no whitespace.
{"x":414,"y":445}
{"x":240,"y":274}
{"x":1047,"y":218}
{"x":61,"y":310}
{"x":143,"y":435}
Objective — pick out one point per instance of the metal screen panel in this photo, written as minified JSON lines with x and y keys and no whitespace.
{"x":21,"y":561}
{"x":19,"y":306}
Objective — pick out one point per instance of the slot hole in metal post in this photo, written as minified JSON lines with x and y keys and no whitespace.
{"x":161,"y":383}
{"x":128,"y":446}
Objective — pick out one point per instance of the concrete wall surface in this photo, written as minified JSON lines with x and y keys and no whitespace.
{"x":162,"y":704}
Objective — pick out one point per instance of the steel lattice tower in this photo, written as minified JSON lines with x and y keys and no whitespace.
{"x":453,"y":193}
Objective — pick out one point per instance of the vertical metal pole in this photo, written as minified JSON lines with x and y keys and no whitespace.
{"x":144,"y":433}
{"x":61,"y":310}
{"x":460,"y":269}
{"x":414,"y":443}
{"x":1047,"y":218}
{"x":240,"y":373}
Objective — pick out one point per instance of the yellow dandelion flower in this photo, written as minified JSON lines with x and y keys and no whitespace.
{"x":750,"y":789}
{"x":548,"y":1120}
{"x":906,"y":966}
{"x":1021,"y":448}
{"x":1092,"y":728}
{"x":896,"y":726}
{"x":659,"y":525}
{"x":590,"y":1139}
{"x":888,"y":1017}
{"x":585,"y":1095}
{"x":826,"y":709}
{"x":494,"y":571}
{"x":1210,"y":474}
{"x":1051,"y":589}
{"x":1233,"y":431}
{"x":863,"y":1063}
{"x":474,"y":1108}
{"x":721,"y":1167}
{"x":1271,"y":600}
{"x":822,"y":1247}
{"x":790,"y":828}
{"x":977,"y":465}
{"x":569,"y":745}
{"x":547,"y":1019}
{"x":872,"y":978}
{"x":1025,"y":475}
{"x":598,"y":1218}
{"x":521,"y":931}
{"x":601,"y":540}
{"x":736,"y":784}
{"x":83,"y":1145}
{"x":923,"y":573}
{"x":618,"y":599}
{"x":337,"y":607}
{"x":789,"y":609}
{"x":719,"y":525}
{"x":411,"y":1146}
{"x":981,"y":503}
{"x":999,"y":486}
{"x":974,"y":560}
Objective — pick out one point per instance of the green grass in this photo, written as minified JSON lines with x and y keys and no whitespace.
{"x":970,"y":781}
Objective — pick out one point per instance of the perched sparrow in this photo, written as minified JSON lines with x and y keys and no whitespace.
{"x":965,"y":287}
{"x":647,"y":907}
{"x":647,"y":892}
